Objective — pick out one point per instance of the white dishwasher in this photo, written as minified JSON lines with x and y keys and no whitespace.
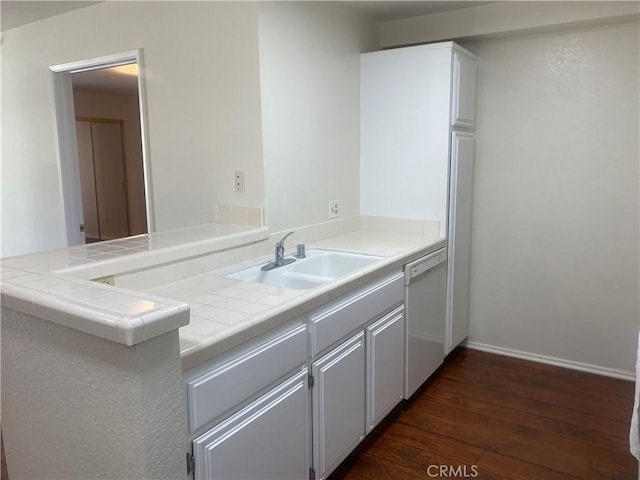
{"x":425,"y":293}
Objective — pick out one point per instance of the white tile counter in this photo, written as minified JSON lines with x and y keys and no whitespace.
{"x":173,"y":279}
{"x":226,"y":312}
{"x":56,"y":286}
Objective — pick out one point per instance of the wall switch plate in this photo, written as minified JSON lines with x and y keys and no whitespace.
{"x":333,"y":208}
{"x":238,"y":180}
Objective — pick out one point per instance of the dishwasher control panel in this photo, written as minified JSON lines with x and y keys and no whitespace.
{"x":418,"y":267}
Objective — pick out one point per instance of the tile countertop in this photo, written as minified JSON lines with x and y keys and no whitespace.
{"x":214,"y":314}
{"x":56,"y":285}
{"x":227,"y":312}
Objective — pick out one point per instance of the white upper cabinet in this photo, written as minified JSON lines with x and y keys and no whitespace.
{"x":463,"y":96}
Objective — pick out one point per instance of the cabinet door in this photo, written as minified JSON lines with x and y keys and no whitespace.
{"x":269,"y":439}
{"x":459,"y":239}
{"x":463,"y":98}
{"x":338,"y":404}
{"x":385,"y":365}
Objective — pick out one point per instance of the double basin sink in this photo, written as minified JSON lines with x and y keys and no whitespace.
{"x":318,"y":267}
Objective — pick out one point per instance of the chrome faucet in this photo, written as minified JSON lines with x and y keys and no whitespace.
{"x":279,"y":260}
{"x":280,"y":249}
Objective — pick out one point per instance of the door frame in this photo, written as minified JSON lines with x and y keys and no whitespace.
{"x":68,"y":169}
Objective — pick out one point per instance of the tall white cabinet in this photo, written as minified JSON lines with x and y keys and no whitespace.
{"x":417,"y":151}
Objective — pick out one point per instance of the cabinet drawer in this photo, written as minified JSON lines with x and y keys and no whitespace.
{"x":235,"y":381}
{"x":329,"y":324}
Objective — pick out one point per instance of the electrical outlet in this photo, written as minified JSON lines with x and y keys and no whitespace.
{"x":109,"y":280}
{"x":238,"y":180}
{"x":333,"y":208}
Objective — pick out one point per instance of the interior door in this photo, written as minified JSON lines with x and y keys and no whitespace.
{"x":108,"y":162}
{"x":87,"y":179}
{"x":102,"y":178}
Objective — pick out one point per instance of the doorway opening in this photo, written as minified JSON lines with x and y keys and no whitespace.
{"x":103,"y":179}
{"x":104,"y":171}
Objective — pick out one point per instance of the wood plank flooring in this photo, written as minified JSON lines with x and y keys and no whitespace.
{"x":508,"y":419}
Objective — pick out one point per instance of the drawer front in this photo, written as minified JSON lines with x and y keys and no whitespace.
{"x":233,"y":382}
{"x":328,"y":325}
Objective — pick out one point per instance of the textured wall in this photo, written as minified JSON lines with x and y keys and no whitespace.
{"x":76,"y":406}
{"x":555,"y":230}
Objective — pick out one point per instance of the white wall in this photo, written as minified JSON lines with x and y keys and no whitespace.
{"x":121,"y":107}
{"x":310,"y":81}
{"x":555,"y":230}
{"x":203,"y":102}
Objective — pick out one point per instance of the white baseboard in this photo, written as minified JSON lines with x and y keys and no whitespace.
{"x":559,"y":362}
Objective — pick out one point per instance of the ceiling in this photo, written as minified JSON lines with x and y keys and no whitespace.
{"x":17,"y":13}
{"x":385,"y":11}
{"x":105,"y":80}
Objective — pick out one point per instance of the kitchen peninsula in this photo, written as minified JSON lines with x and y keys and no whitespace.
{"x":93,"y":373}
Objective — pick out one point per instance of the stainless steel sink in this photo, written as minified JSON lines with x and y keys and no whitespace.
{"x":319,"y":266}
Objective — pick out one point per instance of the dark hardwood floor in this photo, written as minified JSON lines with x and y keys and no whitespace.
{"x":495,"y":417}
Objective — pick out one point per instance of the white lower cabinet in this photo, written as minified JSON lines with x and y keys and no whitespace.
{"x":348,"y":361}
{"x":385,"y":366}
{"x":268,"y":439}
{"x":338,"y":404}
{"x":355,"y":386}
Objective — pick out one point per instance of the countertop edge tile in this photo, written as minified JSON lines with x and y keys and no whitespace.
{"x":70,"y":270}
{"x":75,"y":267}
